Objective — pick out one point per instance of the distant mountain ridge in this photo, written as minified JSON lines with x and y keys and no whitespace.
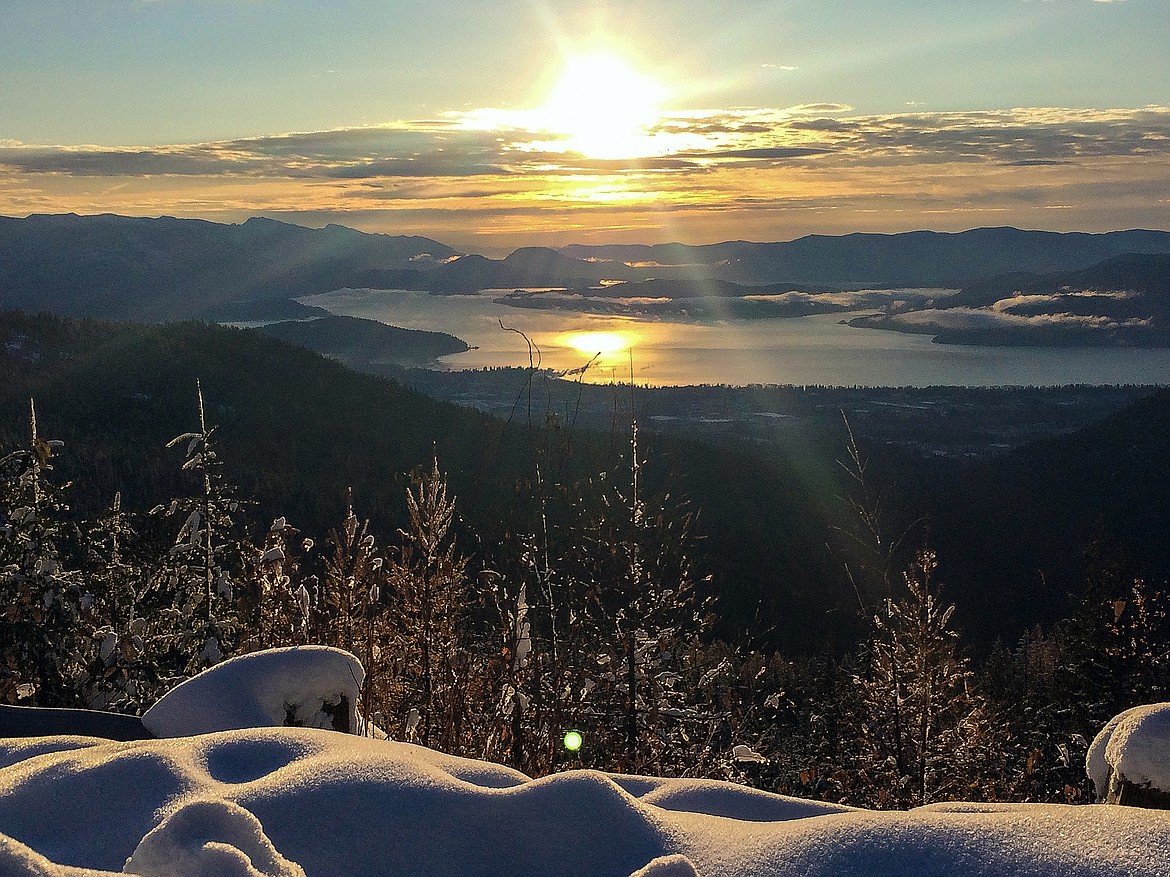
{"x":162,"y":269}
{"x":917,"y":258}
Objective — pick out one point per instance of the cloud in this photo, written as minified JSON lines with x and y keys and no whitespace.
{"x":743,"y":172}
{"x":765,"y":152}
{"x":810,"y":109}
{"x":1038,"y":301}
{"x":444,"y":148}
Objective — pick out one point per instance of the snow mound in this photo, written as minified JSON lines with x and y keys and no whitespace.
{"x":210,"y":837}
{"x":306,"y":686}
{"x":668,"y":866}
{"x":17,"y":860}
{"x":1133,"y":746}
{"x":282,"y":802}
{"x":16,"y":749}
{"x":715,"y":798}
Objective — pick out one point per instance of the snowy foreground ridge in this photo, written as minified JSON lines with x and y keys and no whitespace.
{"x":285,"y":801}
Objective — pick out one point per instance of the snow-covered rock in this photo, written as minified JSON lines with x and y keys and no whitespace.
{"x":304,"y":686}
{"x":1133,"y":748}
{"x":282,"y":801}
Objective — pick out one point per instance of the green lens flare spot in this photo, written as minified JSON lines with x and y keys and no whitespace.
{"x":573,"y":740}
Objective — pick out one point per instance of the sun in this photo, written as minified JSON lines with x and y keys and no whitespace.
{"x":603,"y":106}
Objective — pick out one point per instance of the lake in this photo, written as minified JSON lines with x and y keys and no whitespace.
{"x":802,"y":350}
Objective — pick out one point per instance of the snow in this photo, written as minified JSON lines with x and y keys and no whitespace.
{"x":307,"y":802}
{"x":210,"y":837}
{"x":261,"y":689}
{"x":1134,"y":746}
{"x":290,"y":801}
{"x":668,"y":866}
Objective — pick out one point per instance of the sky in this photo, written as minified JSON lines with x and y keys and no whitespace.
{"x":495,"y":125}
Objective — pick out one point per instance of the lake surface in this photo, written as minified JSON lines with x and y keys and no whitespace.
{"x":801,"y":350}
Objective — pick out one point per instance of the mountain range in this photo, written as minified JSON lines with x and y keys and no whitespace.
{"x":910,"y":259}
{"x":165,"y":269}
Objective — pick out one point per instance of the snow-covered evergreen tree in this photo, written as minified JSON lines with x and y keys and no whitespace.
{"x":119,"y":675}
{"x":924,"y":730}
{"x":352,"y":614}
{"x":635,"y":619}
{"x":427,"y":577}
{"x":44,"y":639}
{"x":194,"y":622}
{"x":276,"y":600}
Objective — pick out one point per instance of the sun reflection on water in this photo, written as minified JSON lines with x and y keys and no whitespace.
{"x":596,"y":342}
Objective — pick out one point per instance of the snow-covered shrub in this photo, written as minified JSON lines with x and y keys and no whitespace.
{"x":925,"y":728}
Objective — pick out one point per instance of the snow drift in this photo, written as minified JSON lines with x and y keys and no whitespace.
{"x":290,"y":801}
{"x":217,"y":799}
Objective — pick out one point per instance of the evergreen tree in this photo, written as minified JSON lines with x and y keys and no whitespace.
{"x":115,"y":574}
{"x":193,"y":620}
{"x":634,"y":618}
{"x":924,"y":736}
{"x":276,"y":599}
{"x":1036,"y":696}
{"x":351,"y":613}
{"x":44,"y":638}
{"x":428,"y":578}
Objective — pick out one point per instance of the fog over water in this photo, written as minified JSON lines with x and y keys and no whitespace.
{"x":801,"y":350}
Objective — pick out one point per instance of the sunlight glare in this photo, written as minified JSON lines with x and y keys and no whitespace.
{"x":596,"y":342}
{"x":604,"y":107}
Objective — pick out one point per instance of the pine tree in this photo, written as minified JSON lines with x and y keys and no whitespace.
{"x":430,"y":592}
{"x":351,"y":613}
{"x":1037,"y":696}
{"x":924,"y":731}
{"x":276,"y":599}
{"x":115,"y":574}
{"x":44,"y":640}
{"x":194,"y":622}
{"x":634,"y":620}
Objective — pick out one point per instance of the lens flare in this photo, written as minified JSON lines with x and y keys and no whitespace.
{"x":573,"y":740}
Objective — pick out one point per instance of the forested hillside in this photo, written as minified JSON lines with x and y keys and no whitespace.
{"x":516,"y":578}
{"x":1013,"y":533}
{"x":1019,"y":535}
{"x":297,"y":430}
